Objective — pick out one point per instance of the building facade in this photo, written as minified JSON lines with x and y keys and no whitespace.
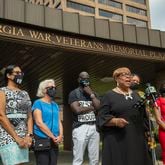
{"x":127,"y":11}
{"x":51,"y":43}
{"x":134,"y":12}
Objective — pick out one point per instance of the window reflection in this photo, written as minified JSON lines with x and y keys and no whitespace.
{"x":140,"y":1}
{"x":136,"y":22}
{"x":80,"y":7}
{"x":111,"y":15}
{"x":136,"y":10}
{"x":111,"y":3}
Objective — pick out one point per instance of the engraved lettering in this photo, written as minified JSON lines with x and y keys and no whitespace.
{"x":11,"y":30}
{"x":89,"y":45}
{"x":86,"y":44}
{"x":66,"y":40}
{"x":1,"y":29}
{"x":20,"y":33}
{"x":47,"y":37}
{"x":39,"y":35}
{"x":33,"y":34}
{"x":58,"y":38}
{"x":77,"y":42}
{"x":82,"y":43}
{"x":7,"y":30}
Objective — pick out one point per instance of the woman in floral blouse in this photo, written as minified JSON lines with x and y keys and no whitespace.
{"x":15,"y":119}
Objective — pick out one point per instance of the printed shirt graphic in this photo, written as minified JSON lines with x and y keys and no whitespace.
{"x":84,"y":101}
{"x":88,"y":117}
{"x":17,"y":106}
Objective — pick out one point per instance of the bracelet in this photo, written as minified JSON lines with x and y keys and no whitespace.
{"x":29,"y":135}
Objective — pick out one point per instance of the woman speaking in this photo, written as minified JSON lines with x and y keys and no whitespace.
{"x":122,"y":125}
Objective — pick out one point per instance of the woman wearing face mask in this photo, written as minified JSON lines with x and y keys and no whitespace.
{"x":135,"y":82}
{"x":15,"y":119}
{"x":47,"y":122}
{"x":160,"y":118}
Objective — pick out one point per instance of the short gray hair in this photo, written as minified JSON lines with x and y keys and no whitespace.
{"x":42,"y":87}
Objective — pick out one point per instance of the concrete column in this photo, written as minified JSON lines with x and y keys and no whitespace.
{"x":68,"y":85}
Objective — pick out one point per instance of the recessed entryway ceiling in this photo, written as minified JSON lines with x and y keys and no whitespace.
{"x":40,"y":63}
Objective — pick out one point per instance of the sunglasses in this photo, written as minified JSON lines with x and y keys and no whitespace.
{"x":125,"y":74}
{"x":51,"y":87}
{"x":18,"y":72}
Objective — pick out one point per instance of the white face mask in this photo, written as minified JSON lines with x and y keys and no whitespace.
{"x":84,"y":82}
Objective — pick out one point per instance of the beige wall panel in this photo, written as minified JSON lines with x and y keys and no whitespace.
{"x":70,"y":22}
{"x":14,"y":10}
{"x":102,"y":28}
{"x":34,"y":14}
{"x":87,"y":25}
{"x":130,"y":33}
{"x":154,"y":38}
{"x":116,"y":31}
{"x":162,"y":39}
{"x":1,"y":8}
{"x":53,"y":18}
{"x":142,"y":36}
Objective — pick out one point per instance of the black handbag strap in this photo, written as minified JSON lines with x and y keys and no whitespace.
{"x":52,"y":117}
{"x":52,"y":114}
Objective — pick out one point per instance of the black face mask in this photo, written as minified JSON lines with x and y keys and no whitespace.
{"x":84,"y":83}
{"x":18,"y":79}
{"x":134,"y":86}
{"x":51,"y":92}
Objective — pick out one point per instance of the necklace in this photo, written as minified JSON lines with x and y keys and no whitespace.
{"x":127,"y":95}
{"x":13,"y":88}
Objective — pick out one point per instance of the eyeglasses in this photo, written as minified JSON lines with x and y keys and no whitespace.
{"x":51,"y":87}
{"x":18,"y":72}
{"x":125,"y":74}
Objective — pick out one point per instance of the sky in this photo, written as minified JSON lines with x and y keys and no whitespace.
{"x":157,"y":11}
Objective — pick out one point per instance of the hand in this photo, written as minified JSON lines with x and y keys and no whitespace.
{"x":59,"y":139}
{"x":21,"y":142}
{"x":120,"y":122}
{"x":28,"y":141}
{"x":87,"y":90}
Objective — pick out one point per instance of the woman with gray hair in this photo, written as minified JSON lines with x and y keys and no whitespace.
{"x":47,"y":124}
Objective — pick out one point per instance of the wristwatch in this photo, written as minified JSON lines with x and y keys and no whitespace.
{"x":29,"y":135}
{"x":92,"y":96}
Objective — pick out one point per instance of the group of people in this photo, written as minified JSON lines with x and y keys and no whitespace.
{"x":114,"y":119}
{"x":21,"y":122}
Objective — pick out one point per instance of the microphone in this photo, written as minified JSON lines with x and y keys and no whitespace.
{"x":149,"y":96}
{"x":150,"y":92}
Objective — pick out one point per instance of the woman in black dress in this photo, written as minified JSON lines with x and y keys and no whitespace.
{"x":122,"y":124}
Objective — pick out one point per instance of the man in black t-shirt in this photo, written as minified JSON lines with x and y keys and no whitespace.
{"x":84,"y":103}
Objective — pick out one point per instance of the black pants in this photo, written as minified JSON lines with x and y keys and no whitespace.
{"x":48,"y":157}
